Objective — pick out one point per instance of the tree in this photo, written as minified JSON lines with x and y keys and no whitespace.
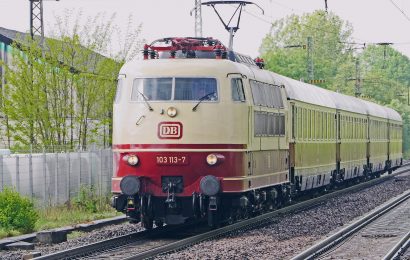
{"x":384,"y":72}
{"x":330,"y":35}
{"x":61,"y":94}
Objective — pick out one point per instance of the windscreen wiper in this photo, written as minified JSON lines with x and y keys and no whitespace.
{"x":145,"y":100}
{"x":206,"y":97}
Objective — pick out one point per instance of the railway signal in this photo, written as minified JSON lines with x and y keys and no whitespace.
{"x":317,"y":81}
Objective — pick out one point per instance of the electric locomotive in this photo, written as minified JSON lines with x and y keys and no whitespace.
{"x":203,"y":132}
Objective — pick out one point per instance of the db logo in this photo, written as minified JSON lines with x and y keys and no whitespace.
{"x":170,"y":130}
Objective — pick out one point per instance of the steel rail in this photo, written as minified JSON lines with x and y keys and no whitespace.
{"x":118,"y":242}
{"x":109,"y":244}
{"x":256,"y":221}
{"x":337,"y":238}
{"x":399,"y":248}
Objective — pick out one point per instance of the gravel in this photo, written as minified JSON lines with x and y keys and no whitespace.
{"x":86,"y":238}
{"x":290,"y":234}
{"x":281,"y":238}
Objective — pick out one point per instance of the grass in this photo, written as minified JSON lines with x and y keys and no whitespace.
{"x":8,"y":233}
{"x":54,"y":217}
{"x":61,"y":216}
{"x":85,"y":208}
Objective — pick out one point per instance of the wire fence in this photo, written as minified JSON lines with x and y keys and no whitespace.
{"x":55,"y":178}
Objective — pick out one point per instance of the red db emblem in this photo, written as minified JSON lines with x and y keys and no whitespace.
{"x":170,"y":130}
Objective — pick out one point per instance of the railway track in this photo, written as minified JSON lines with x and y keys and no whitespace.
{"x":148,"y":244}
{"x":379,"y":234}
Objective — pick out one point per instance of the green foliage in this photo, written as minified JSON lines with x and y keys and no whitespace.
{"x":61,"y":94}
{"x":16,"y":212}
{"x":329,"y":34}
{"x":72,"y":214}
{"x":86,"y":199}
{"x":383,"y":70}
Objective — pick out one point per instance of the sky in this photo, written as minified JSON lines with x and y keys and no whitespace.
{"x":373,"y":20}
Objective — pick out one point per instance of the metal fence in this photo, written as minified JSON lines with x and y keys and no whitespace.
{"x":55,"y":178}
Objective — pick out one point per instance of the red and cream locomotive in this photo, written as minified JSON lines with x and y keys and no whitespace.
{"x":200,"y":131}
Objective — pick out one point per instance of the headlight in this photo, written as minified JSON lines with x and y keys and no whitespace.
{"x":130,"y":185}
{"x":209,"y":185}
{"x":172,"y":111}
{"x":213,"y":159}
{"x":132,"y":160}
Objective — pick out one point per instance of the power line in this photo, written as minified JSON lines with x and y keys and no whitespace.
{"x":398,"y":8}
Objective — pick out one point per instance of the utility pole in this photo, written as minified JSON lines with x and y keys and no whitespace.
{"x":310,"y":72}
{"x":198,"y":18}
{"x":36,"y":19}
{"x":326,"y":5}
{"x":358,"y":80}
{"x":309,"y":61}
{"x":358,"y":90}
{"x":385,"y":44}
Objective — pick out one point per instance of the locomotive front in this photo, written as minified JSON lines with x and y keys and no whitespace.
{"x":179,"y":138}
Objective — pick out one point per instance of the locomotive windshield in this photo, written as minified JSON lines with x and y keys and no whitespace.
{"x":195,"y":88}
{"x":181,"y":89}
{"x":152,"y":89}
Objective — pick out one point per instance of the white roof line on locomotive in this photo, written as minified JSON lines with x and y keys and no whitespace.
{"x":295,"y":90}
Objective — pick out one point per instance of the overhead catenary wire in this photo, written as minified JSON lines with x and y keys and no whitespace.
{"x":363,"y":42}
{"x":401,"y":10}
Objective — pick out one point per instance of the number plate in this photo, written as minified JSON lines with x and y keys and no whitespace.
{"x":172,"y":160}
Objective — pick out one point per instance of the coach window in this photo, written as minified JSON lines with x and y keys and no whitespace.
{"x":238,"y":93}
{"x":300,"y":123}
{"x":306,"y":125}
{"x":309,"y":125}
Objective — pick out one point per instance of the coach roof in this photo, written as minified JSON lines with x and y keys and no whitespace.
{"x":304,"y":92}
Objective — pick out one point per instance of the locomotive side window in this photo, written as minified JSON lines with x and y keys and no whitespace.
{"x":237,"y":90}
{"x":196,"y":89}
{"x":152,"y":89}
{"x":266,"y":95}
{"x":269,"y":124}
{"x":118,"y":91}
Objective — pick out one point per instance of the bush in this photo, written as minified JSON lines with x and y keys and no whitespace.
{"x":87,"y":199}
{"x":16,"y":212}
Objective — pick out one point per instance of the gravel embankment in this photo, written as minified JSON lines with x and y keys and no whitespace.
{"x":86,"y":238}
{"x":290,"y":234}
{"x":282,"y":238}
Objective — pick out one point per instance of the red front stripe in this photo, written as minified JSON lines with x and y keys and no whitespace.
{"x":179,"y":146}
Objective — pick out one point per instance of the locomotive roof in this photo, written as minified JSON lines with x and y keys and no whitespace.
{"x":295,"y":90}
{"x":301,"y":91}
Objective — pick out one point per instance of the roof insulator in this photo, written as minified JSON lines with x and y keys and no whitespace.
{"x":145,"y":52}
{"x":260,"y":63}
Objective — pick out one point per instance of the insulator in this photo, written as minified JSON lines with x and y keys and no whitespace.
{"x":145,"y":52}
{"x":152,"y":54}
{"x":218,"y":53}
{"x":172,"y":54}
{"x":224,"y":54}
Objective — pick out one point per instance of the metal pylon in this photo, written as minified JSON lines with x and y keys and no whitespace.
{"x":198,"y":18}
{"x":36,"y":18}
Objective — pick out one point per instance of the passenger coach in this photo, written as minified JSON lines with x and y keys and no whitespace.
{"x":199,"y":131}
